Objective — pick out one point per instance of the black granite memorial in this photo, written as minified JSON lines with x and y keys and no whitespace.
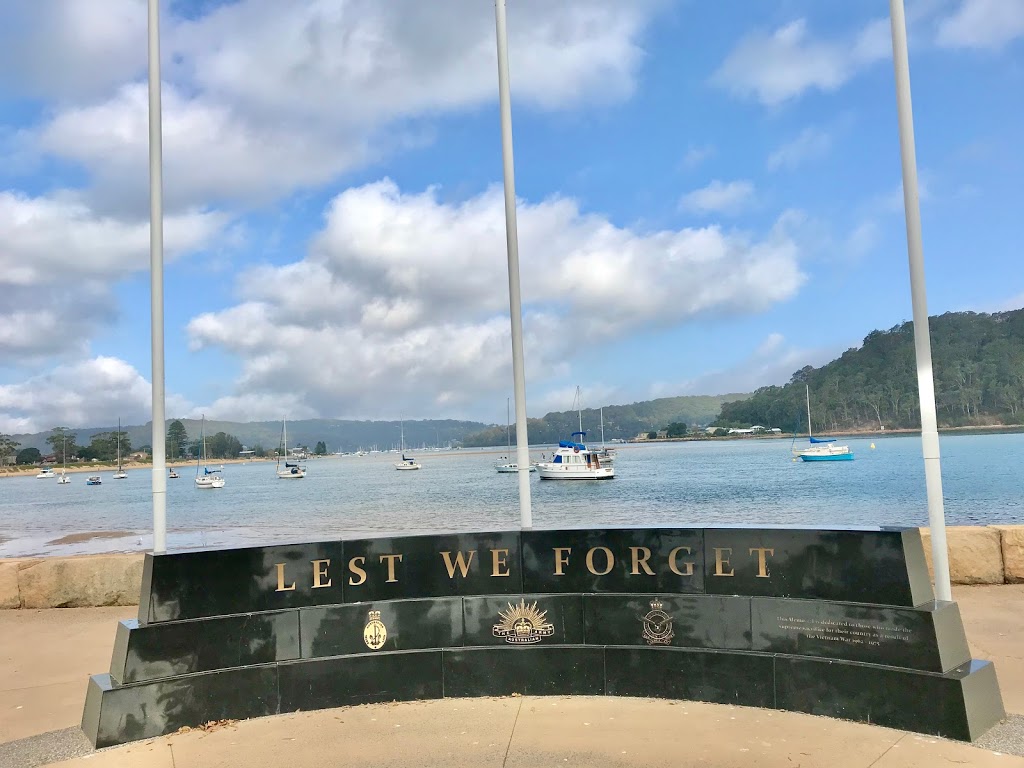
{"x":840,"y":622}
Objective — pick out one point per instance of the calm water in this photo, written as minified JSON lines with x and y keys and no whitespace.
{"x":702,"y":484}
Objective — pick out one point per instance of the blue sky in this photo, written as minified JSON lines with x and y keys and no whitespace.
{"x":709,"y":199}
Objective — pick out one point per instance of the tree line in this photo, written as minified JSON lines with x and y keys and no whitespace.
{"x":978,"y":368}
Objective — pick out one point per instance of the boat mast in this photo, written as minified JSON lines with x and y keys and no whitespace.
{"x":807,"y":389}
{"x":579,"y":411}
{"x":119,"y":445}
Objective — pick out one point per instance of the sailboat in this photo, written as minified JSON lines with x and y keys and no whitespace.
{"x":406,"y":463}
{"x":508,"y":466}
{"x":64,"y":479}
{"x":209,"y":478}
{"x":574,"y":460}
{"x":290,"y":471}
{"x":606,"y":454}
{"x":821,"y":448}
{"x":120,"y":474}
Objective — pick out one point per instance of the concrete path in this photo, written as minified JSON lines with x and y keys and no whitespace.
{"x":46,"y":657}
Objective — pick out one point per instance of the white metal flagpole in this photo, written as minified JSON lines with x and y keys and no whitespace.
{"x":514,"y":298}
{"x":156,"y":282}
{"x":922,"y":342}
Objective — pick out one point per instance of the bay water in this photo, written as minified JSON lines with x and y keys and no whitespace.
{"x":698,"y":483}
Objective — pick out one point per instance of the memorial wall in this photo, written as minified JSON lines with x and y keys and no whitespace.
{"x":832,"y":622}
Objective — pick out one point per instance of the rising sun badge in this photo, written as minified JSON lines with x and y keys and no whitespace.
{"x":375,"y":633}
{"x":657,"y":625}
{"x":523,"y":624}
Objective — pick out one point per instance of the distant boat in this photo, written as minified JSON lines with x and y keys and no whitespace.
{"x":94,"y":480}
{"x":120,"y":474}
{"x":606,"y":454}
{"x":209,"y":478}
{"x":505,"y":465}
{"x":64,"y":479}
{"x":172,"y":474}
{"x":290,"y":471}
{"x":46,"y":472}
{"x":821,"y":448}
{"x":406,"y":463}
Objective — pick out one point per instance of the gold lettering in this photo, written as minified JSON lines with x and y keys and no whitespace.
{"x":762,"y":566}
{"x":721,"y":562}
{"x":463,"y":564}
{"x":391,"y":566}
{"x":687,"y":564}
{"x":280,"y":580}
{"x":639,"y":562}
{"x":319,"y":575}
{"x":356,"y":569}
{"x":561,"y":561}
{"x":498,"y":562}
{"x":590,"y":560}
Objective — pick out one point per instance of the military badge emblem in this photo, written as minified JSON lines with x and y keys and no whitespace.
{"x":657,"y":625}
{"x":523,"y":624}
{"x":375,"y":633}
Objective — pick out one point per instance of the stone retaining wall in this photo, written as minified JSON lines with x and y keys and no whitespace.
{"x":977,"y":555}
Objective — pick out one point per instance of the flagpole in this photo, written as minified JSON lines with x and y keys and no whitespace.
{"x":515,"y":300}
{"x":156,"y":282}
{"x":919,"y":299}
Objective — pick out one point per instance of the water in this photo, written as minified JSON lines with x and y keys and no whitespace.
{"x":751,"y":482}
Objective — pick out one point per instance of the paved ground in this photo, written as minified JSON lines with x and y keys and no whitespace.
{"x":46,"y":657}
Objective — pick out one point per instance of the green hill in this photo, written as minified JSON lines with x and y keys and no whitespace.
{"x":620,"y":421}
{"x":978,"y":362}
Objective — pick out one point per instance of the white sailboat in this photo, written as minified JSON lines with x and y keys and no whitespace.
{"x":209,"y":478}
{"x":64,"y":479}
{"x":406,"y":463}
{"x":606,"y":454}
{"x":507,"y":465}
{"x":821,"y":448}
{"x":120,"y":474}
{"x":290,"y":471}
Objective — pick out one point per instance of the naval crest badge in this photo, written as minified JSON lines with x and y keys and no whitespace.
{"x":375,"y":633}
{"x":657,"y":625}
{"x":523,"y":624}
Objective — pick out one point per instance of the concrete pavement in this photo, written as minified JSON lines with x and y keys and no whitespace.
{"x":46,"y":657}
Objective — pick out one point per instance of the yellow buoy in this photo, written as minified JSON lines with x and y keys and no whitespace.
{"x":872,"y":446}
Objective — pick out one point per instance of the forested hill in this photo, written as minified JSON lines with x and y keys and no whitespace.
{"x":978,"y":362}
{"x":620,"y":421}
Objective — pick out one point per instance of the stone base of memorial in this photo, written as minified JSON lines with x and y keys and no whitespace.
{"x":840,"y":623}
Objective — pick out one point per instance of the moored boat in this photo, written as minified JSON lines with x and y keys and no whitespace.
{"x":821,"y":448}
{"x":94,"y":480}
{"x":575,"y":461}
{"x":46,"y":472}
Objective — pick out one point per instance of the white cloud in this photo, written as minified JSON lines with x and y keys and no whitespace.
{"x":69,"y":50}
{"x":718,"y":197}
{"x":982,"y":24}
{"x":403,"y":299}
{"x":810,"y":144}
{"x":264,"y":97}
{"x":774,"y":68}
{"x":773,"y":361}
{"x":58,"y":259}
{"x":81,"y":394}
{"x":696,"y":155}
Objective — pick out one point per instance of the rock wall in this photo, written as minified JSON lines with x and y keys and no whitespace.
{"x":977,"y":555}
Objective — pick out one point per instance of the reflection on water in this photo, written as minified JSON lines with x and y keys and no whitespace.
{"x":752,"y":482}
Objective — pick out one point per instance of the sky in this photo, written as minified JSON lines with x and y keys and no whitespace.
{"x":709,"y":198}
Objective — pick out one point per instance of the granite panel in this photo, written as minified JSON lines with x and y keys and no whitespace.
{"x":176,"y":648}
{"x":338,"y":630}
{"x":846,"y":566}
{"x":430,"y":566}
{"x":561,"y":670}
{"x":700,"y":621}
{"x":626,"y":560}
{"x":524,"y":620}
{"x":720,"y":677}
{"x":927,"y":638}
{"x":345,"y":680}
